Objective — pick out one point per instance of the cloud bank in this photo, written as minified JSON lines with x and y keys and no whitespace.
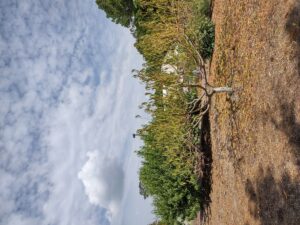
{"x":65,"y":90}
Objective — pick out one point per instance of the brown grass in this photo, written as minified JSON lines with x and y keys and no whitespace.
{"x":256,"y":131}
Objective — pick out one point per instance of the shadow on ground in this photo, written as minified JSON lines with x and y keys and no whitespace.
{"x":274,"y":202}
{"x":293,"y":28}
{"x":206,"y":181}
{"x":289,"y":126}
{"x":277,"y":201}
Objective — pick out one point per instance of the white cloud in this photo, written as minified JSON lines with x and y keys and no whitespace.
{"x":103,"y":179}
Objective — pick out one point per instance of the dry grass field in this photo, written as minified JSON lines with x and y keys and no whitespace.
{"x":255,"y":132}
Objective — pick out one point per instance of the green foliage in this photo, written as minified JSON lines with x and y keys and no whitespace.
{"x":200,"y":28}
{"x":120,"y":11}
{"x":168,"y":170}
{"x":169,"y":153}
{"x":203,"y":7}
{"x":206,"y":37}
{"x":170,"y":150}
{"x":154,"y":30}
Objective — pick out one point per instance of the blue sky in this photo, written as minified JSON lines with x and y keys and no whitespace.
{"x":68,"y":106}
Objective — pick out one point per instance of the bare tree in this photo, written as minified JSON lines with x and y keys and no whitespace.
{"x":201,"y":104}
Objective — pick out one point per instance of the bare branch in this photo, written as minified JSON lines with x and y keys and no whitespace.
{"x":196,"y":85}
{"x":196,"y":101}
{"x":200,"y":117}
{"x":200,"y":59}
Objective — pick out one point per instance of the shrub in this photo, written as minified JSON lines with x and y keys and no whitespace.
{"x":206,"y":37}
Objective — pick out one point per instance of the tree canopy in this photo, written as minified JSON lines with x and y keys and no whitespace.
{"x":119,"y":11}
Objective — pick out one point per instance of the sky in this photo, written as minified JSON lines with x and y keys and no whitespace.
{"x":68,"y":105}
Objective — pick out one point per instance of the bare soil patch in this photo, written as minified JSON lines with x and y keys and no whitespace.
{"x":255,"y":132}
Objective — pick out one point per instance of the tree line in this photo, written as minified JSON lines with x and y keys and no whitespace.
{"x":176,"y":39}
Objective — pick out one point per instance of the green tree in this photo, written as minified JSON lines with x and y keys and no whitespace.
{"x":120,"y":11}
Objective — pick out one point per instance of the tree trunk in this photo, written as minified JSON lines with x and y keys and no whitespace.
{"x":222,"y":89}
{"x":209,"y":90}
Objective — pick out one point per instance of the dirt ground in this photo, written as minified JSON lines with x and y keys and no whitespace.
{"x":255,"y":132}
